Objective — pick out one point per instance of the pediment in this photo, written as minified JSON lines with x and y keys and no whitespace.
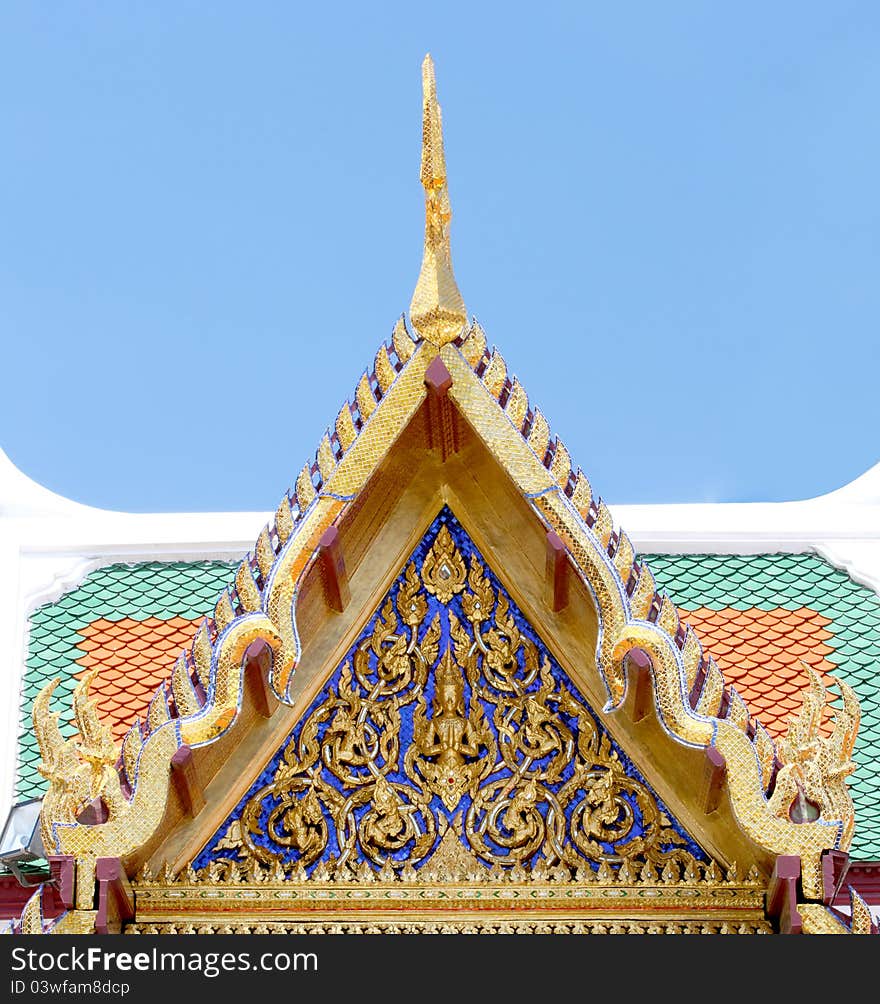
{"x":448,"y":738}
{"x":444,"y":428}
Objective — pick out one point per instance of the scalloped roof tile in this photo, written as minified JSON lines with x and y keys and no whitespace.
{"x":769,"y":678}
{"x":131,"y":621}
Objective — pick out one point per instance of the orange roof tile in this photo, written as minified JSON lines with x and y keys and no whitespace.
{"x":769,"y":677}
{"x":134,"y":659}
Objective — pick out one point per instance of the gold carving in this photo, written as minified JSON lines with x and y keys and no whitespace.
{"x":78,"y":770}
{"x":811,"y":783}
{"x":95,"y":745}
{"x":819,"y":919}
{"x":474,"y":925}
{"x":546,"y":790}
{"x":453,"y":863}
{"x":443,"y":571}
{"x":862,"y":918}
{"x":622,"y":610}
{"x":451,"y":892}
{"x":568,"y":515}
{"x":59,"y":763}
{"x":452,"y":749}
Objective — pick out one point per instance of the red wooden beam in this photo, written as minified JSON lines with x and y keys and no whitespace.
{"x":781,"y":896}
{"x":62,"y":868}
{"x":258,"y":662}
{"x":115,"y":896}
{"x":336,"y":587}
{"x":14,"y":895}
{"x":639,"y":683}
{"x":57,"y":892}
{"x":715,"y":774}
{"x":864,"y":877}
{"x":558,"y":569}
{"x":442,"y":429}
{"x":186,"y":781}
{"x":835,"y":865}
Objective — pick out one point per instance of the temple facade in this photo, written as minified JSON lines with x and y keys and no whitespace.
{"x":440,"y":689}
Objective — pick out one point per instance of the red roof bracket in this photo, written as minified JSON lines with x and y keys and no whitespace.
{"x":558,"y":570}
{"x":184,"y":777}
{"x":115,"y":896}
{"x":715,"y":775}
{"x":442,"y":430}
{"x":638,"y":666}
{"x":781,"y":897}
{"x":62,"y":868}
{"x":336,"y":587}
{"x":256,"y":679}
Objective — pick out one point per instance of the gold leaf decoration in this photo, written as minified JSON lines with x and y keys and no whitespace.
{"x":444,"y":570}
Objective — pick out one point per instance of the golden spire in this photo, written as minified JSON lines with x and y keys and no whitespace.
{"x":437,"y":310}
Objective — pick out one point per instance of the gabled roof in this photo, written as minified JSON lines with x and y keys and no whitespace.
{"x":693,"y":705}
{"x":440,"y":418}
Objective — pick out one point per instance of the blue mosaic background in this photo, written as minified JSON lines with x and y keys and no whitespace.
{"x":396,"y":774}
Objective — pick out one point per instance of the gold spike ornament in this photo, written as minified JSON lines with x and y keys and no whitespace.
{"x":437,"y":310}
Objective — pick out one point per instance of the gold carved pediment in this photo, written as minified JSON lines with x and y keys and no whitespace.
{"x":450,"y":775}
{"x":449,"y":734}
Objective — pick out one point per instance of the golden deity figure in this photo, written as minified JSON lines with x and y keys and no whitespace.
{"x":541,"y":729}
{"x":602,"y":810}
{"x":520,"y":818}
{"x":304,"y":828}
{"x":342,"y":737}
{"x":390,"y":821}
{"x":449,"y":736}
{"x":444,"y":742}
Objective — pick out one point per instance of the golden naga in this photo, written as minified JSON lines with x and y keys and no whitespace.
{"x":437,"y":310}
{"x":78,"y":770}
{"x":811,"y":783}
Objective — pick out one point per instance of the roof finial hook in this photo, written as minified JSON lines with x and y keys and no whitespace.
{"x":437,"y":310}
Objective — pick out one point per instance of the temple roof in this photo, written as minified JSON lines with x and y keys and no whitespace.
{"x":438,"y":418}
{"x":633,"y":614}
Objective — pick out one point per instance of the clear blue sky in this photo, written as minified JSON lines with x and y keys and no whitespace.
{"x":666,"y":216}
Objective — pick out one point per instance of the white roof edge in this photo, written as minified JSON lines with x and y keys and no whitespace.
{"x":28,"y":503}
{"x":21,"y":496}
{"x":844,"y":521}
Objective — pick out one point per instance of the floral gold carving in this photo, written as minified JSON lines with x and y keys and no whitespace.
{"x":443,"y":571}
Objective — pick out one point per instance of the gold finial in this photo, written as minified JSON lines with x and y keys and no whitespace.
{"x":437,"y":310}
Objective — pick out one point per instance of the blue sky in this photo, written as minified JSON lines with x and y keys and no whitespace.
{"x":666,"y":216}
